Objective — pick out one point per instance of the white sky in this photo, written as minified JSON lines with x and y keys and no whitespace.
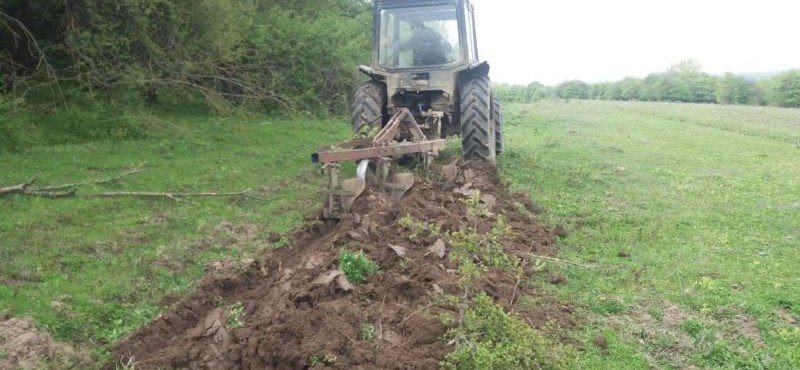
{"x":604,"y":40}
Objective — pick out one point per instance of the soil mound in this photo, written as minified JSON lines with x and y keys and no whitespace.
{"x":294,"y":309}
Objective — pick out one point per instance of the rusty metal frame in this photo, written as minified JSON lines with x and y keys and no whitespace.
{"x":383,"y":150}
{"x":403,"y":119}
{"x":394,"y":150}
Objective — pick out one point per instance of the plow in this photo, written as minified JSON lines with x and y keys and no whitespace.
{"x":377,"y":159}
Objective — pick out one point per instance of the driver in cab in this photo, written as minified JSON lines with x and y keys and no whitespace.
{"x":428,"y":46}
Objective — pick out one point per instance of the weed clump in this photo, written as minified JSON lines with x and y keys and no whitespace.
{"x":236,"y":316}
{"x":357,"y":267}
{"x":418,"y":229}
{"x":326,"y":359}
{"x":367,"y":332}
{"x":489,"y":338}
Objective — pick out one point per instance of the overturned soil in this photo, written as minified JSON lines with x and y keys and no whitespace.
{"x":292,"y":309}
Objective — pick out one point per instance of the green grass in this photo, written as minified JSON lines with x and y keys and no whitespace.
{"x":705,"y":199}
{"x":91,"y":270}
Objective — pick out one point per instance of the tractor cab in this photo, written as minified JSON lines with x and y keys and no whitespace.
{"x":423,"y":34}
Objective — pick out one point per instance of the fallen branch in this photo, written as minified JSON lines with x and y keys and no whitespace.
{"x":173,"y":196}
{"x":133,"y":171}
{"x":63,"y":190}
{"x":25,"y":189}
{"x":51,"y":194}
{"x":17,"y":189}
{"x":566,"y":262}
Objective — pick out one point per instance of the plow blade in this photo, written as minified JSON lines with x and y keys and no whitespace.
{"x":351,"y":190}
{"x":399,"y":184}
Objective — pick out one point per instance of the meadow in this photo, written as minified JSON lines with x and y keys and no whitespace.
{"x":689,"y":216}
{"x":91,"y":270}
{"x":683,"y":220}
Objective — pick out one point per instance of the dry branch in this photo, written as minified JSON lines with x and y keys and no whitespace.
{"x":566,"y":262}
{"x":17,"y":189}
{"x":25,"y":189}
{"x":63,"y":190}
{"x":173,"y":196}
{"x":133,"y":171}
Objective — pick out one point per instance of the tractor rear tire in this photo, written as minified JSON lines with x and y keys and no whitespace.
{"x":477,"y":129}
{"x":369,"y":106}
{"x":497,"y":118}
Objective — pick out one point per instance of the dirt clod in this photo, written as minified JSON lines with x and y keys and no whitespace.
{"x":557,"y":279}
{"x":300,"y":309}
{"x":601,"y":343}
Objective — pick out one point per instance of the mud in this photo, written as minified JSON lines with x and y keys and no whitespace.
{"x":299,"y":312}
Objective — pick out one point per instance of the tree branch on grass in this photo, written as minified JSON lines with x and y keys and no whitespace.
{"x":66,"y":190}
{"x":63,"y":190}
{"x":17,"y":189}
{"x":566,"y":262}
{"x":25,"y":189}
{"x":173,"y":196}
{"x":133,"y":171}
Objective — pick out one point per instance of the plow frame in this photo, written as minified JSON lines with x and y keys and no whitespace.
{"x":383,"y":151}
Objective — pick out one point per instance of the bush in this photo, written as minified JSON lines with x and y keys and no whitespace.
{"x":275,"y":55}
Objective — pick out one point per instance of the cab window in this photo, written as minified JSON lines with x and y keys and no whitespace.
{"x":419,"y":37}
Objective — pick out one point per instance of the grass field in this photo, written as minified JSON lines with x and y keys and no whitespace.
{"x":91,"y":270}
{"x":688,"y":216}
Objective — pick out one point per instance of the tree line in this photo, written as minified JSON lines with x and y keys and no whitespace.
{"x":270,"y":55}
{"x":683,"y":82}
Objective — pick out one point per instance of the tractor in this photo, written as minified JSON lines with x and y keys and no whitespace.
{"x":425,"y":59}
{"x":426,"y":84}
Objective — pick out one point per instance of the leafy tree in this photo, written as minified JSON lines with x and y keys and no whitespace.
{"x":532,"y":92}
{"x":702,"y":88}
{"x":630,"y":88}
{"x":612,"y":91}
{"x":573,"y":90}
{"x":732,"y":89}
{"x":787,"y":89}
{"x":686,"y":67}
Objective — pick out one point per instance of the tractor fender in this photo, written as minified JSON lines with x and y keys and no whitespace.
{"x":480,"y":69}
{"x":371,"y":73}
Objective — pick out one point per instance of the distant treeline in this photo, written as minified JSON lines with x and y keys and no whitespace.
{"x":271,"y":55}
{"x":683,"y":82}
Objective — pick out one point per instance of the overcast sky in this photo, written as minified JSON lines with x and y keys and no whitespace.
{"x":603,"y":40}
